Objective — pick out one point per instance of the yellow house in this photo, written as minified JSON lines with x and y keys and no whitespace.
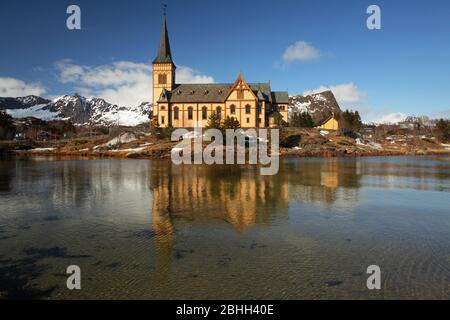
{"x":190,"y":105}
{"x":330,"y":123}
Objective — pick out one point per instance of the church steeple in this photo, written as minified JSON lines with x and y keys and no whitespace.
{"x":163,"y":77}
{"x":164,"y":53}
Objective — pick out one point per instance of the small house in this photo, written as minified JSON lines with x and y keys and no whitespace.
{"x":329,"y":123}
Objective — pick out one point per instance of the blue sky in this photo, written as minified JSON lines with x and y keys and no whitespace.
{"x":402,"y":69}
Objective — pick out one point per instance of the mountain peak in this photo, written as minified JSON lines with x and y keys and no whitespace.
{"x":319,"y":105}
{"x":76,"y":108}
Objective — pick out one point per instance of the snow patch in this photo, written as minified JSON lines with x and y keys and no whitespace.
{"x":42,"y":149}
{"x":37,"y":111}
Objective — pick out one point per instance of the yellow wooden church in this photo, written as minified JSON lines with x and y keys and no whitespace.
{"x":254,"y":105}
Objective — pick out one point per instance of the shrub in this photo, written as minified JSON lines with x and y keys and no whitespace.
{"x":290,"y":141}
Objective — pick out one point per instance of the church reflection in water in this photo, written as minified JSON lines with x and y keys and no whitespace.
{"x":237,"y":195}
{"x":241,"y":197}
{"x":200,"y":198}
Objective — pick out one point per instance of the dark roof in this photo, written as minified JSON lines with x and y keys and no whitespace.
{"x":323,"y":120}
{"x":212,"y":92}
{"x":209,"y":92}
{"x":164,"y":53}
{"x":264,"y":90}
{"x":280,"y":97}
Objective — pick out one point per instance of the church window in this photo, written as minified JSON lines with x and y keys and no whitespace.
{"x":190,"y":113}
{"x":233,"y":109}
{"x":162,"y":78}
{"x":248,"y":109}
{"x":176,"y":113}
{"x":204,"y":113}
{"x":219,"y":113}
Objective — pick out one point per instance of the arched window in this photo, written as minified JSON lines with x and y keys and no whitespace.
{"x":219,"y":113}
{"x":176,"y":113}
{"x":190,"y":113}
{"x":162,"y":78}
{"x":248,"y":109}
{"x":204,"y":113}
{"x":233,"y":109}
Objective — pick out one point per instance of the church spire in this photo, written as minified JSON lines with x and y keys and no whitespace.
{"x":164,"y":53}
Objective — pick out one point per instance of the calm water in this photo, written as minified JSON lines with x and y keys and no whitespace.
{"x":150,"y":230}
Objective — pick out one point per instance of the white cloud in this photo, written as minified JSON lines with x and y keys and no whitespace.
{"x":301,"y":51}
{"x":11,"y":87}
{"x":345,"y":93}
{"x":123,"y":83}
{"x":188,"y":75}
{"x":393,"y":117}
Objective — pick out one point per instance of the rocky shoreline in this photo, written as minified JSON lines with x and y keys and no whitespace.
{"x":164,"y":152}
{"x":307,"y":143}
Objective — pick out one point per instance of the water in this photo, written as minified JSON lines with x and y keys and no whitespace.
{"x":143,"y":229}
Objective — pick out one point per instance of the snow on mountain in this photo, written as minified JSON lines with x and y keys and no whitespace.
{"x":95,"y":111}
{"x":22,"y":103}
{"x":318,"y":105}
{"x":39,"y":111}
{"x":79,"y":110}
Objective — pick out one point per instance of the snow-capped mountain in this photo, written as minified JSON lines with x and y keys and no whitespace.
{"x":79,"y":110}
{"x":319,"y":105}
{"x":95,"y":111}
{"x":22,"y":103}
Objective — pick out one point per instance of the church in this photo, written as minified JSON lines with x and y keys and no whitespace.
{"x":176,"y":105}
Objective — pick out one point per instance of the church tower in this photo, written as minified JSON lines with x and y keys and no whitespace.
{"x":163,"y":68}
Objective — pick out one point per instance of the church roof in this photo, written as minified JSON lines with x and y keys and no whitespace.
{"x":218,"y":92}
{"x":280,"y":97}
{"x":209,"y":92}
{"x":164,"y":53}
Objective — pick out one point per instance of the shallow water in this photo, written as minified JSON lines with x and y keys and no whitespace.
{"x":143,"y":229}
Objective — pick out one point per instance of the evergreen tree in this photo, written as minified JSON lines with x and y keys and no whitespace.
{"x":231,"y":123}
{"x":278,"y":120}
{"x":443,"y":130}
{"x":213,"y":122}
{"x":301,"y":120}
{"x":352,"y":120}
{"x":7,"y":128}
